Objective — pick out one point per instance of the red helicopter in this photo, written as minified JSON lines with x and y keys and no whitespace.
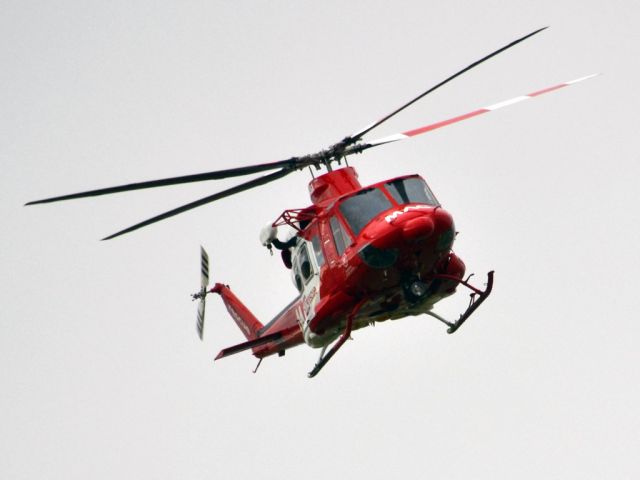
{"x":358,"y":255}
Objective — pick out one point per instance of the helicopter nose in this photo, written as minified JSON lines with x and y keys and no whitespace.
{"x":418,"y":228}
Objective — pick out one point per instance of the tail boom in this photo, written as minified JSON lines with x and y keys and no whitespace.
{"x":246,"y":321}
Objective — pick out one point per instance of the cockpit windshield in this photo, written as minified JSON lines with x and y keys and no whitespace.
{"x":359,"y":209}
{"x":411,"y":190}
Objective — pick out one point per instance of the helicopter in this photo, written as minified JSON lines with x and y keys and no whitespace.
{"x":358,"y":254}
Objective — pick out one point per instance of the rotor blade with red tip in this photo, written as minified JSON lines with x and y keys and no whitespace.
{"x":459,"y":118}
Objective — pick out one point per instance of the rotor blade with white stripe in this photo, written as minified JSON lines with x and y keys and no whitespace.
{"x":475,"y":113}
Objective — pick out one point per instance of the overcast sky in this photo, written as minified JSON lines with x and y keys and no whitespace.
{"x":103,"y":375}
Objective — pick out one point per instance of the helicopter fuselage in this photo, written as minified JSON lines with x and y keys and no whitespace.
{"x":381,"y":247}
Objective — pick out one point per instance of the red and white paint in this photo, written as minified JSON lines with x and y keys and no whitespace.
{"x":475,"y":113}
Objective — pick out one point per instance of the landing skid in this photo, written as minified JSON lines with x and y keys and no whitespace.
{"x":322,"y":361}
{"x":474,"y":302}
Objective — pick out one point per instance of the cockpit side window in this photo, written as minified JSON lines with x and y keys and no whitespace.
{"x":411,"y":190}
{"x":361,"y":208}
{"x":317,"y":249}
{"x":340,"y":237}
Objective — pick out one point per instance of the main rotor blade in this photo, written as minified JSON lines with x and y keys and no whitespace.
{"x":200,"y":177}
{"x":459,"y":118}
{"x":203,"y":201}
{"x":367,"y":129}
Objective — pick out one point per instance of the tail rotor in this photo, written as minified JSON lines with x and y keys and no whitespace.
{"x":202,"y":293}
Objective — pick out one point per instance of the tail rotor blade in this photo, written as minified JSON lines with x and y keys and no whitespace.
{"x":200,"y":322}
{"x":204,"y":268}
{"x":204,"y":283}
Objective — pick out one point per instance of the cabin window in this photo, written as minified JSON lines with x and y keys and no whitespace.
{"x":317,"y":249}
{"x":302,"y":269}
{"x":361,"y":208}
{"x":305,"y":264}
{"x":411,"y":190}
{"x":340,"y":236}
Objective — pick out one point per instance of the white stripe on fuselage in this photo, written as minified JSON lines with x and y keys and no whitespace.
{"x":392,"y":216}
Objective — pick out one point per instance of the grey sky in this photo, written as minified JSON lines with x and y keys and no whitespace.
{"x":104,"y":375}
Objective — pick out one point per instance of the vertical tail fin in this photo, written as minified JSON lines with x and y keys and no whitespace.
{"x":245,"y":320}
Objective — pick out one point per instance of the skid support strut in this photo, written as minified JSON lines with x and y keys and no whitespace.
{"x":322,"y":361}
{"x":474,"y":303}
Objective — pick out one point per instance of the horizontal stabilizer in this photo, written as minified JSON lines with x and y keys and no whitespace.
{"x":241,"y":347}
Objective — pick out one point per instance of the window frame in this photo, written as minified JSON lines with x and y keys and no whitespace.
{"x":348,"y":219}
{"x":345,"y":235}
{"x":316,"y":245}
{"x":392,"y":194}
